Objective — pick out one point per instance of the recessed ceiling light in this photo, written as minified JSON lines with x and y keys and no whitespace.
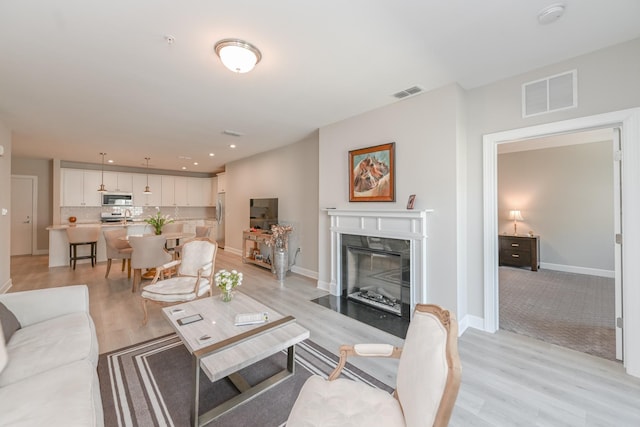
{"x":109,"y":161}
{"x":195,"y":163}
{"x":211,"y":154}
{"x":184,"y":168}
{"x":232,"y":146}
{"x":551,"y":13}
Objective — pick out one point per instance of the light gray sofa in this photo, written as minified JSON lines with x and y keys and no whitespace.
{"x":50,"y":376}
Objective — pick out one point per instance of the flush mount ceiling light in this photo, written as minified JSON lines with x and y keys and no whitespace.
{"x":238,"y":55}
{"x":551,"y":13}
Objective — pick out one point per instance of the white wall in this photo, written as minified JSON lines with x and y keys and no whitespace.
{"x":290,"y":174}
{"x":607,"y":81}
{"x":565,"y":195}
{"x":5,"y":203}
{"x":425,"y":129}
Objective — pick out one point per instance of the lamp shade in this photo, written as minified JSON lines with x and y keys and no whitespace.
{"x":238,"y":55}
{"x":515,"y":215}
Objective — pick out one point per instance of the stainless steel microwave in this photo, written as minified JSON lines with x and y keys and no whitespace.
{"x":117,"y":199}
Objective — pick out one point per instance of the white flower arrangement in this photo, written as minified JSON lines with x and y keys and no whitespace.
{"x":226,"y":280}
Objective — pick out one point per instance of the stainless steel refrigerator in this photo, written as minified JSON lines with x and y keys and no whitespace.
{"x":220,"y":212}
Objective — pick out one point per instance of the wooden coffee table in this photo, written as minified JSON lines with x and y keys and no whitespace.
{"x":221,"y":349}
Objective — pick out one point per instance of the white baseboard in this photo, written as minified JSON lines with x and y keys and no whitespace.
{"x":41,"y":252}
{"x":578,"y":270}
{"x":304,"y":272}
{"x":6,"y":286}
{"x":325,"y":286}
{"x":232,"y":250}
{"x":470,"y":321}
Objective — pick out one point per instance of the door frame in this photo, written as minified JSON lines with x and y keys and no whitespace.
{"x":629,"y":123}
{"x":34,"y":213}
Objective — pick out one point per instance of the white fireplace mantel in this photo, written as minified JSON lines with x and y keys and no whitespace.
{"x":394,"y":224}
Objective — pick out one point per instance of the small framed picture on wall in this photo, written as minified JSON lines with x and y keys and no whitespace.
{"x":412,"y":199}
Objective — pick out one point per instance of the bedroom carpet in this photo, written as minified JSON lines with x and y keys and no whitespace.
{"x":575,"y":311}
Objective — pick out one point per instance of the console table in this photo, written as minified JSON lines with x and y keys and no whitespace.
{"x":520,"y":251}
{"x":251,"y":242}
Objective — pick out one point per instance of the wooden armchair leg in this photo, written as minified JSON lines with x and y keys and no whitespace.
{"x":129,"y":268}
{"x":123,"y":262}
{"x":144,"y":309}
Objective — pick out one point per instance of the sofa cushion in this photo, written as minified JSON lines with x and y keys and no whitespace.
{"x":49,"y":344}
{"x":343,"y":403}
{"x":67,"y":396}
{"x":9,"y":322}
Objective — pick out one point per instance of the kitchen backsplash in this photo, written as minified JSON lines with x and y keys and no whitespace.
{"x":92,"y":214}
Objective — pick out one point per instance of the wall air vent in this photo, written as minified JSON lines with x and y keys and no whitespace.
{"x":408,"y":92}
{"x":553,"y":93}
{"x":231,"y":132}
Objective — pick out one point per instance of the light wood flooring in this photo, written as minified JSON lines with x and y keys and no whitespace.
{"x":507,"y":379}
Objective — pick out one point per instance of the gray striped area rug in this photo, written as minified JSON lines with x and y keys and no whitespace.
{"x":149,"y":384}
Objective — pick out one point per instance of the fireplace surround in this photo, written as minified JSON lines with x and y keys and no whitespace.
{"x":409,"y":227}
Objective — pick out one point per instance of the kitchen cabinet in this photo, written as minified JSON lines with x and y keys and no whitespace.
{"x":80,"y":187}
{"x":139,"y":184}
{"x":118,"y":181}
{"x":222,"y":182}
{"x":199,"y":192}
{"x":174,"y":190}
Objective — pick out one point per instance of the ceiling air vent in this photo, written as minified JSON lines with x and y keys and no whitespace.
{"x":408,"y":92}
{"x":553,"y":93}
{"x":231,"y":132}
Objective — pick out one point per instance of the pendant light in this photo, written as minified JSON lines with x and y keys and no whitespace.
{"x":102,"y":189}
{"x":147,"y":190}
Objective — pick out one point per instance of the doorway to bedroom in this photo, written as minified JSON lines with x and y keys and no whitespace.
{"x":563,"y":186}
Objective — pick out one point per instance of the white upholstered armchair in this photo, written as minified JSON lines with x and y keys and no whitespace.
{"x":427,"y":381}
{"x":194,"y":276}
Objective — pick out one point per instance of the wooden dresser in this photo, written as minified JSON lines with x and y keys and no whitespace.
{"x":520,"y":251}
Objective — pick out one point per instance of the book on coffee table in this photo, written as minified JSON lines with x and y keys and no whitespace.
{"x":251,"y":318}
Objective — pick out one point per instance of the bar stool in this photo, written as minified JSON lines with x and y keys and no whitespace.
{"x":79,"y":236}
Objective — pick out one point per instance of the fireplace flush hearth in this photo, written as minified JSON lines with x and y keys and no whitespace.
{"x":387,"y":246}
{"x":375,"y":271}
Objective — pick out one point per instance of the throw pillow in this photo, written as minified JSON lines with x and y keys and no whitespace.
{"x":9,"y":322}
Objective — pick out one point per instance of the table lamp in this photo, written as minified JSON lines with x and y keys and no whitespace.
{"x":516,"y":216}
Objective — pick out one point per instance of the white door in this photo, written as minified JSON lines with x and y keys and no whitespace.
{"x":22,"y":191}
{"x":617,"y":224}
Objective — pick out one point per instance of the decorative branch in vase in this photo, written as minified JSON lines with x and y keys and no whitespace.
{"x":280,"y":236}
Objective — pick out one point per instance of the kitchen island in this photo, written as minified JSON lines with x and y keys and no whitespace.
{"x":59,"y":244}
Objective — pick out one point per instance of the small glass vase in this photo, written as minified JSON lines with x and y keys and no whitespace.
{"x":226,"y":295}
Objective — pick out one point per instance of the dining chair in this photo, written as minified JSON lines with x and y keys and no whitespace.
{"x":174,"y":227}
{"x":117,"y":248}
{"x":194,"y":276}
{"x":427,"y":381}
{"x":148,"y":252}
{"x":80,"y":236}
{"x":201,"y":231}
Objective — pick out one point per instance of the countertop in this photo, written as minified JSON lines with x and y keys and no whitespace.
{"x":116,"y":224}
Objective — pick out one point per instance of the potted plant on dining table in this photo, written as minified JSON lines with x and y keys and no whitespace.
{"x":158,"y":221}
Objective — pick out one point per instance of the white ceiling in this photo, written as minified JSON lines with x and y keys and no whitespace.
{"x":78,"y":77}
